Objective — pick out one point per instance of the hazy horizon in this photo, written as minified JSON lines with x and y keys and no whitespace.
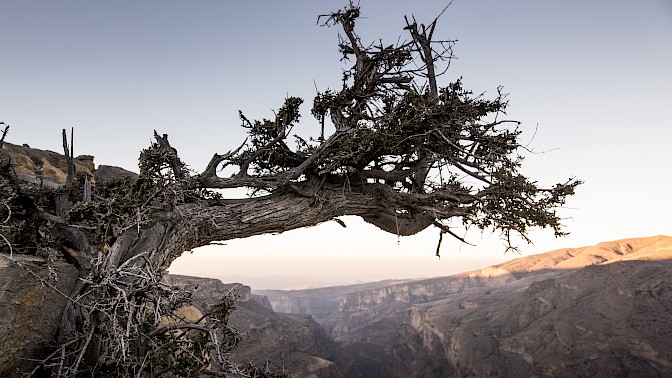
{"x":295,"y":274}
{"x":309,"y":273}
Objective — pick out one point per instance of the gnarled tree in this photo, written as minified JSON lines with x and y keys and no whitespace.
{"x":407,"y":153}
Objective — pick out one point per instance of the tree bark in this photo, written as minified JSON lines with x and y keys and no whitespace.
{"x":306,"y":204}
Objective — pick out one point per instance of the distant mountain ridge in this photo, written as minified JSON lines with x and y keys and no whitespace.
{"x":522,"y":269}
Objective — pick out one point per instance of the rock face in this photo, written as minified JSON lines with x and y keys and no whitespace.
{"x":597,"y":311}
{"x":320,"y":303}
{"x":30,"y":312}
{"x":294,"y":342}
{"x":603,"y":320}
{"x":209,"y":290}
{"x":365,"y":307}
{"x":594,"y":311}
{"x":108,"y":172}
{"x":49,"y":168}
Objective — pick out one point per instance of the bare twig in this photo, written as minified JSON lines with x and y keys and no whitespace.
{"x":4,"y":134}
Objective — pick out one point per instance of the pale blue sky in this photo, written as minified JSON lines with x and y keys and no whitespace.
{"x":594,"y":75}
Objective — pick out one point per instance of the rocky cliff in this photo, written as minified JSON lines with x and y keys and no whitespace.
{"x":34,"y":290}
{"x":596,"y":311}
{"x":513,"y":319}
{"x":601,"y":321}
{"x":320,"y":302}
{"x":362,"y":308}
{"x":49,"y":168}
{"x":293,"y":342}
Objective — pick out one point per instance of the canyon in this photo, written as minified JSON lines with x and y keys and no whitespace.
{"x":603,"y":310}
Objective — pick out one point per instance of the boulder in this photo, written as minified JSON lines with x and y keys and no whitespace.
{"x":30,"y":309}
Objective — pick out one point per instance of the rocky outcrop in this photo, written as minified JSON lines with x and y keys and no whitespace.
{"x":30,"y":310}
{"x":358,"y":313}
{"x":208,"y":291}
{"x":320,"y":302}
{"x":600,"y":321}
{"x":50,"y":165}
{"x":294,"y":342}
{"x":107,"y":172}
{"x":49,"y":168}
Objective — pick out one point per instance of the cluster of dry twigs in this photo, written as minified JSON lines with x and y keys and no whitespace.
{"x":128,"y":321}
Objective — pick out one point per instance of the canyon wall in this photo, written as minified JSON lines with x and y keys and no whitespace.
{"x":590,"y":311}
